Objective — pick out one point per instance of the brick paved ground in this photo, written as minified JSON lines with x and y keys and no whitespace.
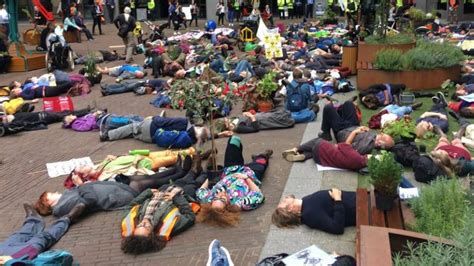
{"x":96,"y":239}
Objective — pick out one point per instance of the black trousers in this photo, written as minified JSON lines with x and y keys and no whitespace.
{"x":141,"y":183}
{"x":339,"y":119}
{"x":233,"y":156}
{"x":309,"y":11}
{"x":189,"y":183}
{"x":194,"y":18}
{"x":97,"y":23}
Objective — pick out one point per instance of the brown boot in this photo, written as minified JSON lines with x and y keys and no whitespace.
{"x":196,"y":168}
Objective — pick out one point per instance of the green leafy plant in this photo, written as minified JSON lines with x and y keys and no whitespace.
{"x":389,"y":60}
{"x":90,"y":65}
{"x":400,"y":38}
{"x":401,"y":128}
{"x":416,"y":14}
{"x":440,"y":209}
{"x":330,"y":17}
{"x":267,"y":86}
{"x":385,"y":173}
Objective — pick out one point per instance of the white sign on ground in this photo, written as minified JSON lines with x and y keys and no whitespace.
{"x":312,"y":255}
{"x":65,"y":167}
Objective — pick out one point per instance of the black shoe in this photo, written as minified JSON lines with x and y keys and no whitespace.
{"x":354,"y":98}
{"x":435,"y":99}
{"x":187,"y":163}
{"x":267,"y":154}
{"x":325,"y":135}
{"x":454,"y":115}
{"x":74,"y":214}
{"x":103,"y":132}
{"x":196,"y":167}
{"x":30,"y":211}
{"x":416,"y":105}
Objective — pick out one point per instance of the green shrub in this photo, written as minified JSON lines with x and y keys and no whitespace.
{"x":416,"y":14}
{"x":401,"y":38}
{"x":440,"y":208}
{"x":433,"y":253}
{"x":402,"y":128}
{"x":385,"y":173}
{"x":426,"y":55}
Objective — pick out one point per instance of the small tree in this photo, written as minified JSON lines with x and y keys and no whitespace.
{"x":200,"y":99}
{"x":385,"y":173}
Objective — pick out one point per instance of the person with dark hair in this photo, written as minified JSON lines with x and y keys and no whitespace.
{"x":298,"y":98}
{"x":327,"y":210}
{"x":97,"y":13}
{"x":30,"y":90}
{"x":345,"y":260}
{"x":252,"y":123}
{"x":125,"y":24}
{"x":139,"y":87}
{"x":379,"y":95}
{"x":435,"y":118}
{"x":28,"y":121}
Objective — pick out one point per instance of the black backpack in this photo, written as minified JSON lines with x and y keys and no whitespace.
{"x":426,"y":170}
{"x":405,"y":153}
{"x":296,"y":100}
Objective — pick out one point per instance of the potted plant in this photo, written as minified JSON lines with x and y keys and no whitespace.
{"x":90,"y":70}
{"x":385,"y":175}
{"x":200,"y":98}
{"x":265,"y":89}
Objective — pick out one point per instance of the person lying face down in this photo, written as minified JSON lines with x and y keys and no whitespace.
{"x":327,"y":210}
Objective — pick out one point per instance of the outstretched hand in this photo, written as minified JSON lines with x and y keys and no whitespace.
{"x":336,"y":194}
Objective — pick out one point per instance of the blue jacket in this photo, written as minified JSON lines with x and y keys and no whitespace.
{"x":173,"y":139}
{"x":305,"y":90}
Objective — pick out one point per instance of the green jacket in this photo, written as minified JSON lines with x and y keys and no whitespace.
{"x":281,"y":4}
{"x":290,"y":3}
{"x":186,"y":215}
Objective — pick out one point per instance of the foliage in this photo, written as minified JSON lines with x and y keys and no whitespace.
{"x":426,"y":55}
{"x":90,"y":65}
{"x":173,"y":52}
{"x":400,"y":38}
{"x":401,"y":128}
{"x":199,"y":97}
{"x":267,"y":86}
{"x":389,"y":60}
{"x":416,"y":14}
{"x":385,"y":173}
{"x":440,"y":209}
{"x":330,"y":17}
{"x":433,"y":253}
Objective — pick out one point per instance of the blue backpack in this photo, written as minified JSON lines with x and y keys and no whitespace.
{"x":54,"y":257}
{"x":296,"y":100}
{"x":172,"y":139}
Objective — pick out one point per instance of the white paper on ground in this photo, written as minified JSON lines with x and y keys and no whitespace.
{"x":312,"y":255}
{"x":65,"y":167}
{"x":408,"y":193}
{"x":327,"y":168}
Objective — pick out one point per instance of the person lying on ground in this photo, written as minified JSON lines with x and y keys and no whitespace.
{"x":340,"y":155}
{"x":17,"y":105}
{"x":139,"y":87}
{"x":166,"y":132}
{"x":168,"y":63}
{"x":128,"y":165}
{"x":12,"y":124}
{"x":452,"y":157}
{"x":123,"y":72}
{"x":99,"y":56}
{"x":155,"y":210}
{"x":97,"y":196}
{"x":32,"y":238}
{"x":327,"y":210}
{"x":379,"y":95}
{"x":343,"y":121}
{"x":238,"y":187}
{"x":436,"y":116}
{"x":252,"y":123}
{"x":98,"y":119}
{"x":298,"y":98}
{"x":30,"y":91}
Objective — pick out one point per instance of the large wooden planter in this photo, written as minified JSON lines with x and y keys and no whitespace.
{"x":366,"y":52}
{"x":349,"y":58}
{"x":414,"y":80}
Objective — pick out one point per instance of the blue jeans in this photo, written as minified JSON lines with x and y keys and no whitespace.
{"x":398,"y":110}
{"x":218,"y":65}
{"x":116,"y":121}
{"x":230,"y":15}
{"x":244,"y":65}
{"x":33,"y":234}
{"x":303,"y":116}
{"x":110,"y":89}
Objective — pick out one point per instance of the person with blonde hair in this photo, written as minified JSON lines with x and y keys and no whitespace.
{"x":327,"y":210}
{"x":435,"y":117}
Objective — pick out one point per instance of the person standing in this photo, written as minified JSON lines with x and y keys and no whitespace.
{"x":309,"y":9}
{"x":4,"y":18}
{"x":453,"y":11}
{"x":291,"y":10}
{"x":194,"y":13}
{"x":125,"y":23}
{"x":230,"y":12}
{"x":220,"y":12}
{"x":110,"y":4}
{"x":236,"y":10}
{"x":281,"y":8}
{"x":171,"y":11}
{"x":151,"y":10}
{"x":298,"y":8}
{"x":97,"y":16}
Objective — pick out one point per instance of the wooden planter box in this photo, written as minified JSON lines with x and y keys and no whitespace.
{"x":366,"y":52}
{"x":349,"y":58}
{"x":413,"y":79}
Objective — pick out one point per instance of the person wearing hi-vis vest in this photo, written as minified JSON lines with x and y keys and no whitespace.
{"x":281,"y":8}
{"x":350,"y":10}
{"x":151,"y":10}
{"x":289,"y":5}
{"x":453,"y":11}
{"x":236,"y":4}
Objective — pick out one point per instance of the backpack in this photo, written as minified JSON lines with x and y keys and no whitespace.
{"x":52,"y":257}
{"x":172,"y":139}
{"x":275,"y":260}
{"x":296,"y":100}
{"x":426,"y":170}
{"x":405,"y":153}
